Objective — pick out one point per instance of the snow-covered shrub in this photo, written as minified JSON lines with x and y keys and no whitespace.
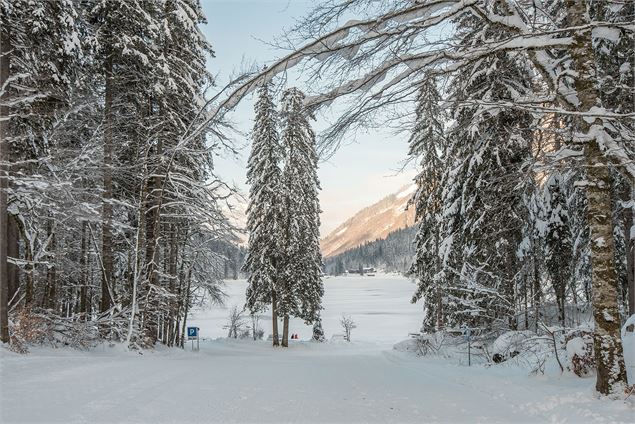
{"x":526,"y":348}
{"x":236,"y":324}
{"x":422,"y":345}
{"x":579,"y":345}
{"x":39,"y":327}
{"x":257,"y":332}
{"x":347,"y":324}
{"x":510,"y":344}
{"x":430,"y":343}
{"x":31,"y":329}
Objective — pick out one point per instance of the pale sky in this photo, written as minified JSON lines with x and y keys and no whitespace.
{"x":361,"y":172}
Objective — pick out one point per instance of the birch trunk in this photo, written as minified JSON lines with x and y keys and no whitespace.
{"x":611,"y":375}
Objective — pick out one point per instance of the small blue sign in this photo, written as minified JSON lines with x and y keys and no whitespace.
{"x":192,"y":332}
{"x":467,"y":333}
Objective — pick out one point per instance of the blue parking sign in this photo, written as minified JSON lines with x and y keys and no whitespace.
{"x":192,"y":332}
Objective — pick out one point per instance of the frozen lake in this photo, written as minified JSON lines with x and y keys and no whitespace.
{"x":380,"y":307}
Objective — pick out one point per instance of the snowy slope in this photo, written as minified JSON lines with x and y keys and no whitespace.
{"x":247,"y":382}
{"x":371,"y":223}
{"x":234,"y":381}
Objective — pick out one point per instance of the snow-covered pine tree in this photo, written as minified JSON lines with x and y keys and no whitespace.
{"x":178,"y":171}
{"x":265,"y":211}
{"x":558,"y":240}
{"x":40,"y":51}
{"x":301,"y":289}
{"x":318,"y":331}
{"x":426,"y":147}
{"x":124,"y":37}
{"x":484,"y":182}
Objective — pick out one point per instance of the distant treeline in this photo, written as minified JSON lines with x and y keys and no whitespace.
{"x":393,"y":254}
{"x":233,"y":257}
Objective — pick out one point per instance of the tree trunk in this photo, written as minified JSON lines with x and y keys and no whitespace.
{"x":106,"y":213}
{"x":13,"y":251}
{"x":4,"y":183}
{"x":536,"y":293}
{"x":630,"y":251}
{"x":285,"y":331}
{"x":274,"y":319}
{"x":83,"y":291}
{"x":438,"y":292}
{"x":29,"y":266}
{"x":186,"y":306}
{"x":607,"y":342}
{"x":611,"y":374}
{"x":173,"y":273}
{"x":51,"y":278}
{"x":154,"y":197}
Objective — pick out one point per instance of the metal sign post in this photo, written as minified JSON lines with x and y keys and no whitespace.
{"x":192,"y":334}
{"x":467,"y":336}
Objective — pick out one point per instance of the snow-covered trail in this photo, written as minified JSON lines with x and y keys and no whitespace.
{"x":243,"y":381}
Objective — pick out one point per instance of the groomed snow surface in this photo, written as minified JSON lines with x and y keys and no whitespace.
{"x":244,"y":381}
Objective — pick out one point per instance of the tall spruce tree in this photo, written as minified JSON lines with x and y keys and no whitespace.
{"x":265,"y":211}
{"x":558,"y":242}
{"x":426,"y":146}
{"x":301,"y":288}
{"x":483,"y":208}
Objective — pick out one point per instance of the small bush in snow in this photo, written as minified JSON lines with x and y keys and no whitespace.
{"x":39,"y":327}
{"x":256,"y":330}
{"x":318,"y":332}
{"x":347,"y":324}
{"x":236,"y":324}
{"x":579,"y":344}
{"x":430,"y":344}
{"x":245,"y":333}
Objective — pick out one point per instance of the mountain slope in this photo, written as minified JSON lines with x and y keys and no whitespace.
{"x":371,"y":223}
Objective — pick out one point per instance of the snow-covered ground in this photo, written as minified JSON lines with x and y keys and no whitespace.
{"x":244,"y":381}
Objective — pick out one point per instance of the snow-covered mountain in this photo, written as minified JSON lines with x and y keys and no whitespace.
{"x":371,"y":223}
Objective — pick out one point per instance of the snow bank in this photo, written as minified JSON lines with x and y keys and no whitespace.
{"x":628,"y":343}
{"x":408,"y":346}
{"x":241,"y":381}
{"x":511,"y":343}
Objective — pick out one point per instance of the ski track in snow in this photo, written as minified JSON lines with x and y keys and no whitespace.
{"x":244,"y":381}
